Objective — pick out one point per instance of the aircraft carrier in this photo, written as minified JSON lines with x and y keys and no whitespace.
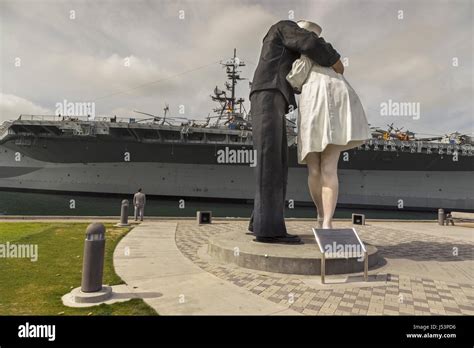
{"x":169,"y":156}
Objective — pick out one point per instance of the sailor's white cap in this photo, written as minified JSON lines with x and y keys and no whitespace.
{"x":310,"y":26}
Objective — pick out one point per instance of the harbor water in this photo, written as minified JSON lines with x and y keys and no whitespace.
{"x":28,"y":203}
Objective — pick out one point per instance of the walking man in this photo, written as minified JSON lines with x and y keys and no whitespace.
{"x":139,"y":200}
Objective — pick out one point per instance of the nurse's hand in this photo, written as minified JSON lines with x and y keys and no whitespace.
{"x":338,"y":67}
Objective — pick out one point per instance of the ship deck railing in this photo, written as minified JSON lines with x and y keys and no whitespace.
{"x":4,"y":127}
{"x":124,"y":122}
{"x":101,"y":123}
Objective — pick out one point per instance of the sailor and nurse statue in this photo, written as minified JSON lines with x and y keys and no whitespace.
{"x":295,"y":59}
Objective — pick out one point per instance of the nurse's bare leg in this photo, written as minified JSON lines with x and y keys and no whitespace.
{"x":313,"y":161}
{"x":330,"y":184}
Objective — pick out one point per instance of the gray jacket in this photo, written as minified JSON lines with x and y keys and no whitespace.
{"x":139,"y":199}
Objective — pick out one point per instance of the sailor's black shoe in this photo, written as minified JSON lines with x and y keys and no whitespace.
{"x":279,"y":240}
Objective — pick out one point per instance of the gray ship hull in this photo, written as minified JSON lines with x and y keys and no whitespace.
{"x":381,"y":188}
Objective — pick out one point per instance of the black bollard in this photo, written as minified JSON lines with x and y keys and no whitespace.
{"x":94,"y":251}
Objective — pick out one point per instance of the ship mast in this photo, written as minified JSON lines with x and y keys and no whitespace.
{"x":230,"y":106}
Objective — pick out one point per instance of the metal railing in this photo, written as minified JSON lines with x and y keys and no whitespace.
{"x":25,"y":117}
{"x":375,"y":144}
{"x":4,"y":129}
{"x":56,"y":118}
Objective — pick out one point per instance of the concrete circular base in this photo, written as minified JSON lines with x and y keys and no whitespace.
{"x":80,"y":297}
{"x":102,"y":295}
{"x":240,"y":249}
{"x":108,"y":295}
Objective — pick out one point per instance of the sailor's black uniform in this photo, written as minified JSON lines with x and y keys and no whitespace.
{"x":271,"y":97}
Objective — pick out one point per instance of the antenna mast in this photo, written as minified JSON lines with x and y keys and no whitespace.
{"x":229,"y":103}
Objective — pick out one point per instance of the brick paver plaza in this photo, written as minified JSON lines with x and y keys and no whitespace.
{"x":421,"y":273}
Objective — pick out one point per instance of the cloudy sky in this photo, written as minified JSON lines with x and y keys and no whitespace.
{"x":405,"y":51}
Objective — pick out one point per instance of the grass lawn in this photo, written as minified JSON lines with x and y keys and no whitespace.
{"x":36,"y":288}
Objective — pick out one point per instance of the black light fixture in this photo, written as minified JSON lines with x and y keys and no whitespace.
{"x":358,"y":219}
{"x":204,"y":217}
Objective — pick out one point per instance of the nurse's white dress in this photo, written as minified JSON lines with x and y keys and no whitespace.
{"x":329,"y":110}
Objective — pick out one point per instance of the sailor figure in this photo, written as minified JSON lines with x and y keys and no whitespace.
{"x":271,"y":97}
